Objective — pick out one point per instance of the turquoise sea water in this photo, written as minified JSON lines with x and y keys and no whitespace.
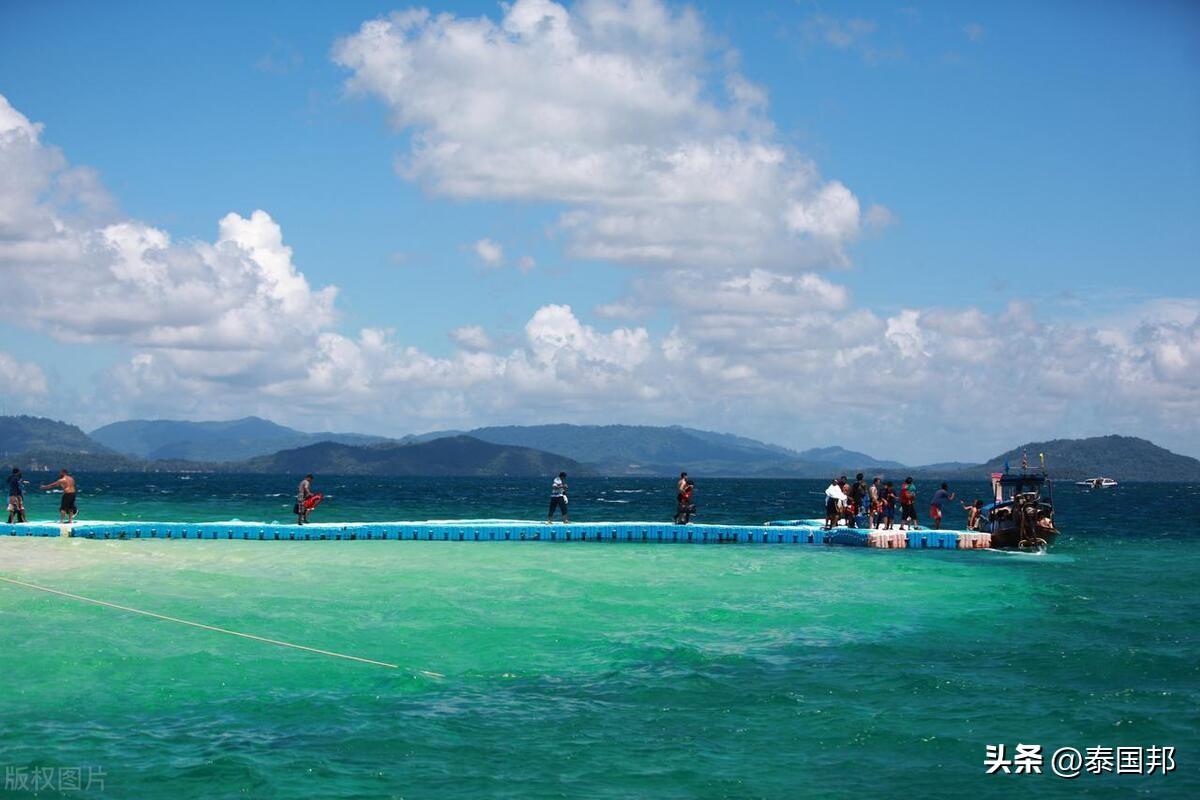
{"x":534,"y":670}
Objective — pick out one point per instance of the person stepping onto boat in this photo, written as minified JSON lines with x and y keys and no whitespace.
{"x":940,"y":498}
{"x":974,"y":512}
{"x":558,"y":498}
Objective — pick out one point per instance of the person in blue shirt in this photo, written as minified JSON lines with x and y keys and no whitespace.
{"x":16,"y":497}
{"x":940,"y":498}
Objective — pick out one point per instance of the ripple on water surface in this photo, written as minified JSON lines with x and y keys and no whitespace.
{"x":542,"y":670}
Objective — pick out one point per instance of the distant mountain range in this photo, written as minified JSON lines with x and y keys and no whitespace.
{"x":640,"y":449}
{"x":23,"y":434}
{"x":232,"y":440}
{"x":454,"y":455}
{"x":257,"y":445}
{"x":840,"y":455}
{"x":648,"y":450}
{"x":36,"y":444}
{"x":39,"y":444}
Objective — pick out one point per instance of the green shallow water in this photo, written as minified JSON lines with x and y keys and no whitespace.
{"x":551,"y":670}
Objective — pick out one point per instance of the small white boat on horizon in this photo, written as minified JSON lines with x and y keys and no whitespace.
{"x":1097,"y":483}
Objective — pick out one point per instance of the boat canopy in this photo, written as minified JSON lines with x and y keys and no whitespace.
{"x":1016,"y":480}
{"x":1006,"y":485}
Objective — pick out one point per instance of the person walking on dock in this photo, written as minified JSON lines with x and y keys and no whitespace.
{"x":16,"y":496}
{"x":303,"y":492}
{"x":684,"y":507}
{"x":558,"y":498}
{"x":66,"y":509}
{"x":940,"y":498}
{"x":683,"y":498}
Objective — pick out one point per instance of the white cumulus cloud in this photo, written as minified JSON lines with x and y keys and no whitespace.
{"x":471,"y":337}
{"x":230,"y":310}
{"x":232,"y":326}
{"x":489,"y":252}
{"x":625,"y":112}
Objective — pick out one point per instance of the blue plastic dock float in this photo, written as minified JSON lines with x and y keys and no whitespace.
{"x":793,"y":532}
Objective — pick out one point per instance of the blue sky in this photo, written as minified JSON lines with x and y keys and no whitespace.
{"x":1023,"y":186}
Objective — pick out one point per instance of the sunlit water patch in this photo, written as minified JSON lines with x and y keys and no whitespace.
{"x":549,"y":670}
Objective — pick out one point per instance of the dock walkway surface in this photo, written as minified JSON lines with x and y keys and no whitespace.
{"x":793,"y":532}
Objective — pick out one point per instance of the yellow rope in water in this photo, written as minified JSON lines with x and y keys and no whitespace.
{"x":200,"y":624}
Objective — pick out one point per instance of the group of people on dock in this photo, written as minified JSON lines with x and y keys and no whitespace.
{"x":856,"y":504}
{"x":873,"y":505}
{"x":16,"y":496}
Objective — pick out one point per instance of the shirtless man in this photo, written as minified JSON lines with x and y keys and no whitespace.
{"x":66,"y":509}
{"x":974,"y":514}
{"x":680,"y":490}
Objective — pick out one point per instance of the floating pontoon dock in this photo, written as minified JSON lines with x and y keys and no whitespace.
{"x":781,"y":532}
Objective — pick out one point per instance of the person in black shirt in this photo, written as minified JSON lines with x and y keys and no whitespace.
{"x":16,"y":497}
{"x":857,"y":492}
